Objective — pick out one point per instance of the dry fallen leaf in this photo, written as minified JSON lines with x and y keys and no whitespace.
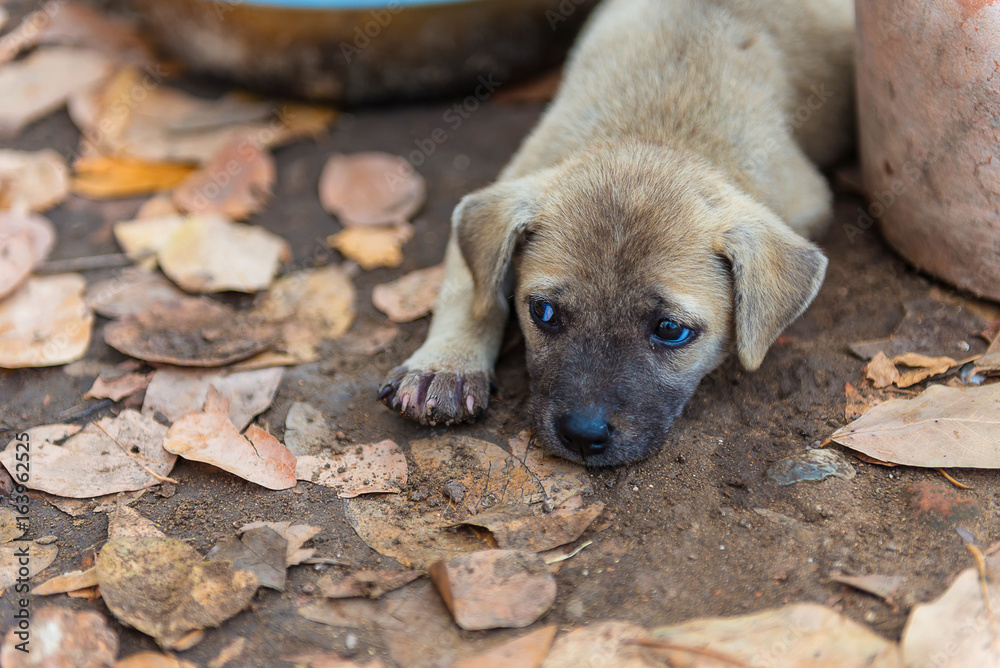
{"x":361,"y":469}
{"x":61,"y":638}
{"x":372,"y":247}
{"x":881,"y":371}
{"x":495,"y":588}
{"x":943,"y":427}
{"x":320,"y":301}
{"x":371,"y":189}
{"x":114,"y":454}
{"x":212,"y":254}
{"x":57,"y":334}
{"x":930,"y":327}
{"x":522,"y":529}
{"x":118,"y":389}
{"x":959,"y":625}
{"x":807,"y":634}
{"x":560,"y":479}
{"x":125,"y":522}
{"x":295,"y":534}
{"x":886,"y":587}
{"x":418,"y":535}
{"x":194,"y":332}
{"x":857,"y":403}
{"x":210,"y":437}
{"x":175,"y":392}
{"x":25,"y":241}
{"x":40,"y":558}
{"x":236,"y":182}
{"x":370,"y":584}
{"x":527,"y":651}
{"x":162,"y":587}
{"x":72,"y":581}
{"x":42,"y":82}
{"x":33,"y":180}
{"x":923,"y":367}
{"x":260,"y":551}
{"x":144,"y":235}
{"x":10,"y":526}
{"x":410,"y":297}
{"x":106,"y":177}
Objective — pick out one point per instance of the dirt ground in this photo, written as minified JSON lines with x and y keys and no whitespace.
{"x":685,"y":536}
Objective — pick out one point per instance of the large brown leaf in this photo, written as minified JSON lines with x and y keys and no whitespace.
{"x":942,"y":427}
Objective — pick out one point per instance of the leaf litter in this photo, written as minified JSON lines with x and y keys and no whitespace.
{"x":371,"y":189}
{"x":62,"y":638}
{"x":32,"y":180}
{"x":25,"y":241}
{"x":164,"y":588}
{"x":57,"y":334}
{"x":175,"y":392}
{"x":295,"y":535}
{"x":114,"y":454}
{"x":260,"y":550}
{"x":358,"y":469}
{"x":410,"y":297}
{"x":943,"y":427}
{"x":211,"y":437}
{"x":236,"y":182}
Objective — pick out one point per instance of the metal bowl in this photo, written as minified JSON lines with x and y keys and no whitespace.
{"x":364,"y":51}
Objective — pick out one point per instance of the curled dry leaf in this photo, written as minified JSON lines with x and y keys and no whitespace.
{"x":881,"y":371}
{"x":42,"y":82}
{"x":235,"y":183}
{"x":163,"y":588}
{"x":210,"y":437}
{"x":25,"y":241}
{"x":295,"y":534}
{"x":362,"y":469}
{"x":886,"y":587}
{"x":322,"y":301}
{"x":194,"y":332}
{"x":371,"y":189}
{"x":372,"y":247}
{"x":495,"y":588}
{"x":62,"y":584}
{"x":370,"y":584}
{"x":114,"y":454}
{"x":410,"y":297}
{"x":108,"y":177}
{"x":32,"y":180}
{"x":943,"y":427}
{"x":174,"y":393}
{"x":213,"y":254}
{"x":922,"y":367}
{"x":41,"y":557}
{"x":118,"y":389}
{"x":57,"y":334}
{"x":61,"y":638}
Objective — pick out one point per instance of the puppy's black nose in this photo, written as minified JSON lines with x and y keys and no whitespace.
{"x":587,"y":435}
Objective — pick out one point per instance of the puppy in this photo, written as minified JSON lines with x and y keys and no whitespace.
{"x":655,"y":219}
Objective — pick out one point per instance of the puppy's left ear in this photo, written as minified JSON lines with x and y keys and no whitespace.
{"x":776,"y":274}
{"x":487,"y":224}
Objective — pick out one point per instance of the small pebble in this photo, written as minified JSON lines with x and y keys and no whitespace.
{"x":454,"y":490}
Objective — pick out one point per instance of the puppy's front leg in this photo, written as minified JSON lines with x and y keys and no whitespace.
{"x":448,"y":378}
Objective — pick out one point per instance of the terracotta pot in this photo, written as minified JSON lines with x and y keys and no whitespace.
{"x":928,"y":78}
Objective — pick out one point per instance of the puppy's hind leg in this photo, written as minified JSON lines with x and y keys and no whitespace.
{"x":448,"y":378}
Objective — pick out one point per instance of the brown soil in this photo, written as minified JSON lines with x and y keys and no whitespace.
{"x":685,"y":537}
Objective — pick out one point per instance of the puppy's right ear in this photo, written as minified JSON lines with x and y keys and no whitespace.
{"x":487,"y":224}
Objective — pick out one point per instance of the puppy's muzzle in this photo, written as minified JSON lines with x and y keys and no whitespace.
{"x":586,"y":432}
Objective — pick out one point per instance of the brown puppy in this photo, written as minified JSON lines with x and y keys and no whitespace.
{"x":649,"y":224}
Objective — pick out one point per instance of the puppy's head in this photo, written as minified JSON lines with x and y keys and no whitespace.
{"x":637,"y":269}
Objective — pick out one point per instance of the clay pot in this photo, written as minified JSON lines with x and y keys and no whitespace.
{"x":928,"y":80}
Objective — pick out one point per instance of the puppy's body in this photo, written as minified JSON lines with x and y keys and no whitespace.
{"x":657,"y":195}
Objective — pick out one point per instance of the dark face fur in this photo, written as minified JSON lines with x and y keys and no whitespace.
{"x":617,"y":343}
{"x":637,"y":269}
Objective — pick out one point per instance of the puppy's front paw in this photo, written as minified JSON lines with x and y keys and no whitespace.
{"x":431,"y":396}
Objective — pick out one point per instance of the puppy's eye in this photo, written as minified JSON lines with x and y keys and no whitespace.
{"x":544,"y":313}
{"x":672,"y":333}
